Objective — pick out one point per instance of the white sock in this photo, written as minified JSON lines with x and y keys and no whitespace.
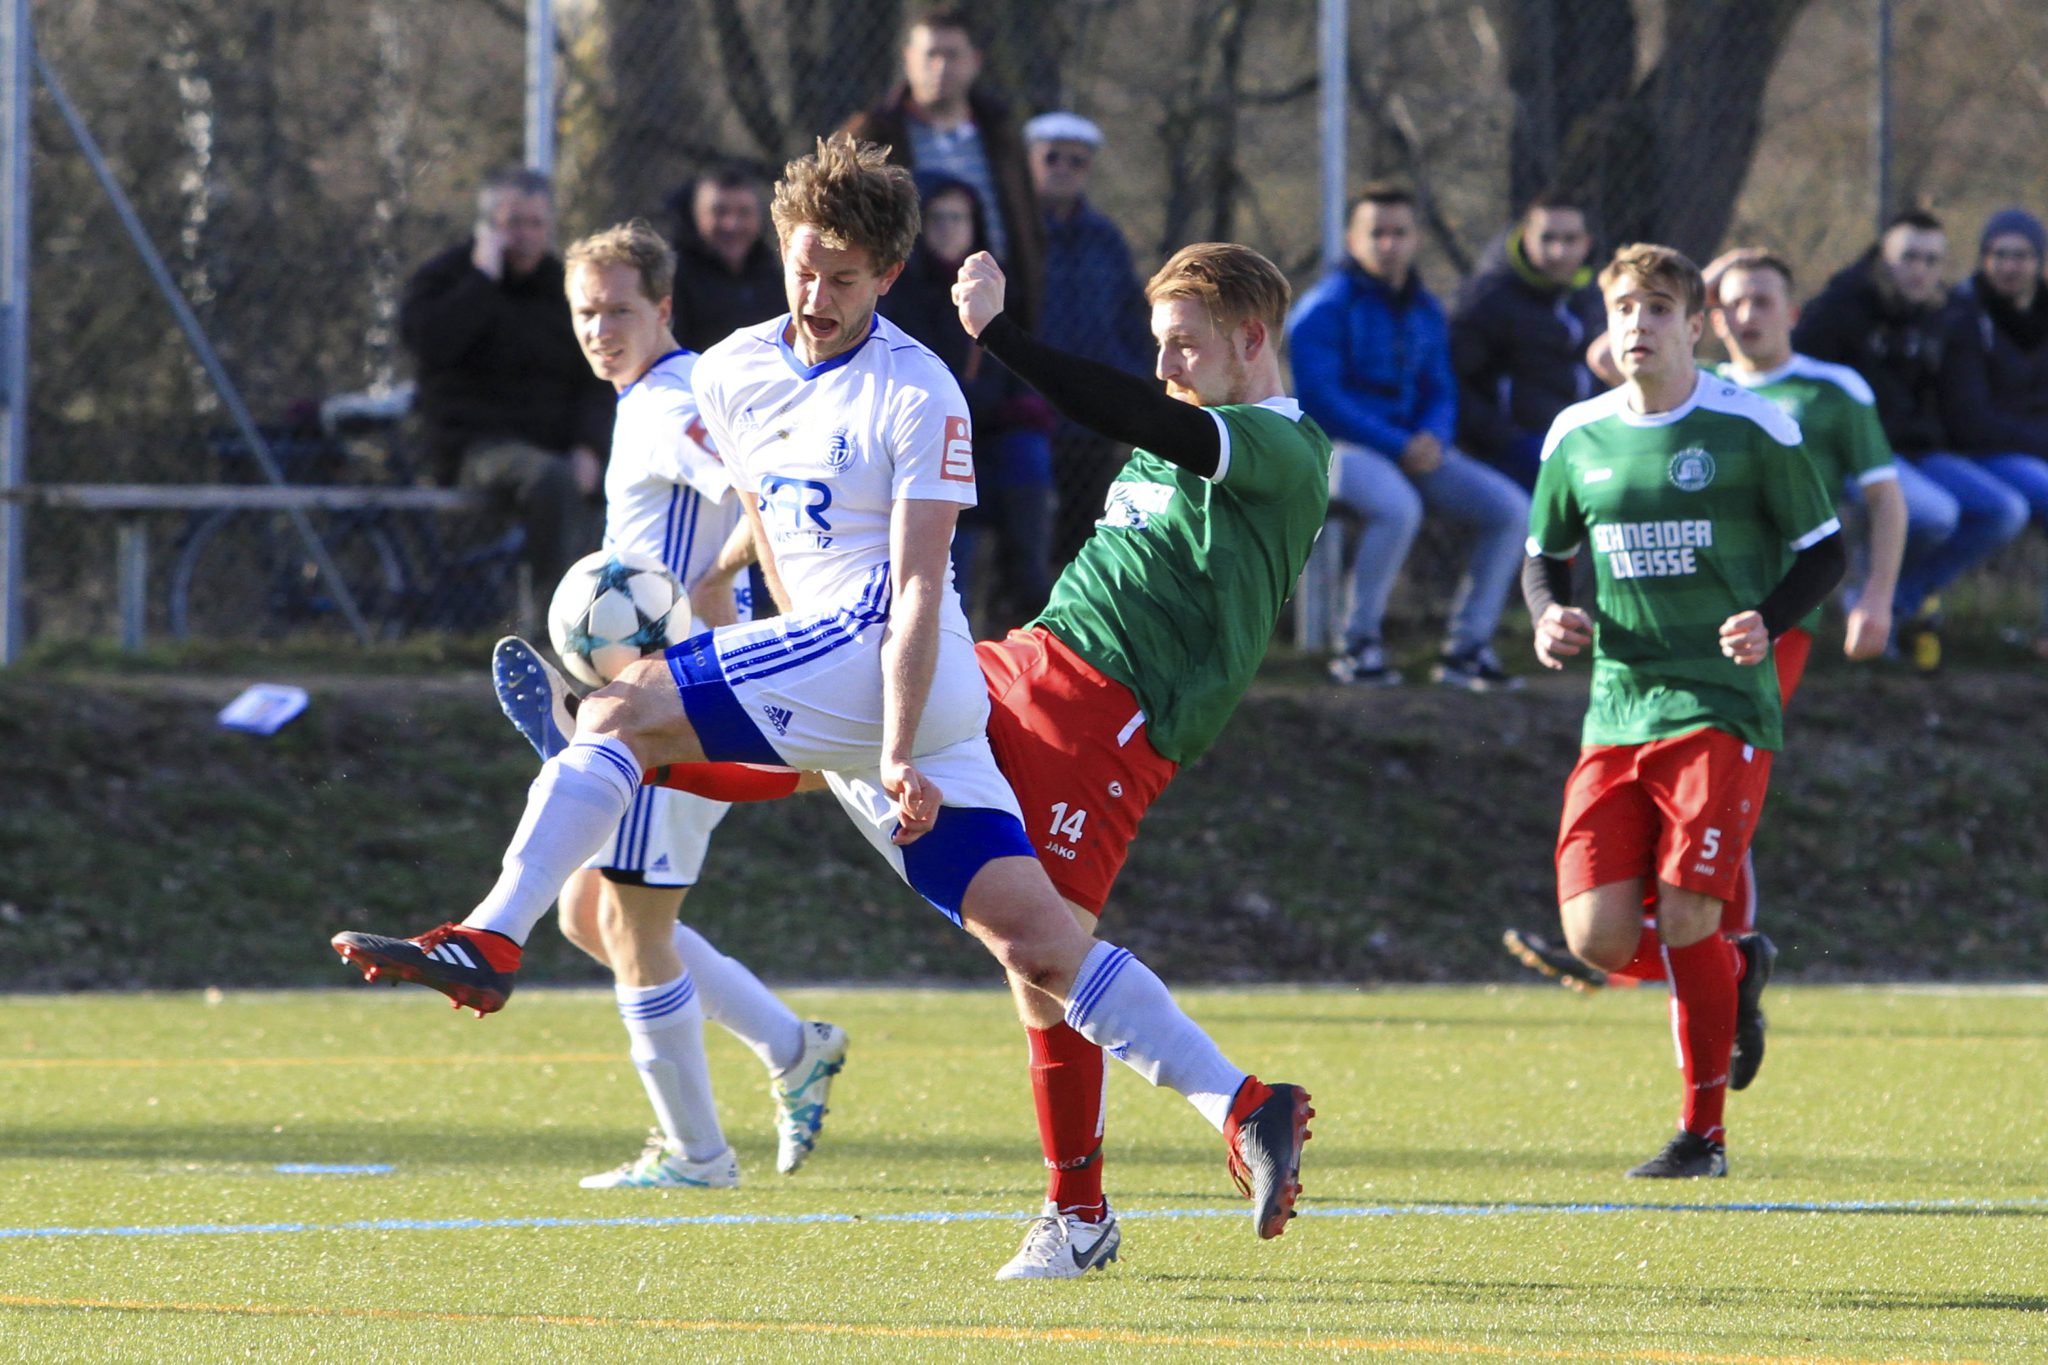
{"x":733,"y":996}
{"x":666,"y":1026}
{"x":1117,"y":1003}
{"x":572,"y":808}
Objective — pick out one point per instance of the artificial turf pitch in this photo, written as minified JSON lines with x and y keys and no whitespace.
{"x":1888,"y":1198}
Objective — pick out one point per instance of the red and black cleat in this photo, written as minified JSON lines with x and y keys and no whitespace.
{"x":474,"y":968}
{"x":1265,"y":1130}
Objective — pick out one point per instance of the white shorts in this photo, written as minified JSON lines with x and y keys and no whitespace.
{"x":663,"y":837}
{"x":979,"y":820}
{"x":806,"y":691}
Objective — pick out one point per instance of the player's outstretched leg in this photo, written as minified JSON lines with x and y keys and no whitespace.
{"x":1554,"y":960}
{"x":1758,"y":955}
{"x":799,"y":1092}
{"x":1060,"y":1246}
{"x":1117,"y":1003}
{"x":534,"y":696}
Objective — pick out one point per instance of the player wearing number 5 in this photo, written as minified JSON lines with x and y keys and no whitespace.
{"x":1687,"y":492}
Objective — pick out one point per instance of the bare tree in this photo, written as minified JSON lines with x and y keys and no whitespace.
{"x":1662,"y":157}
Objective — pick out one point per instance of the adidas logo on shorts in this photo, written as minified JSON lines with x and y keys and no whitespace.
{"x":779,"y":717}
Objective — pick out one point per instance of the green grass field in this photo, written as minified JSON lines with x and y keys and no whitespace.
{"x":1464,"y":1198}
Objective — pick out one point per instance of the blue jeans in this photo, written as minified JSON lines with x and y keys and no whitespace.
{"x":1988,"y":513}
{"x":1390,"y":503}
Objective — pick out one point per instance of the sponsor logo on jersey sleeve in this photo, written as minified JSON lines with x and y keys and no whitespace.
{"x":956,"y":459}
{"x":1131,"y":506}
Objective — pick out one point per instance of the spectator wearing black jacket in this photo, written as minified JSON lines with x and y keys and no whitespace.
{"x":941,"y":118}
{"x":728,"y":274}
{"x":1519,"y":334}
{"x":1012,"y":424}
{"x":1881,"y":315}
{"x":1994,"y":373}
{"x":508,"y":403}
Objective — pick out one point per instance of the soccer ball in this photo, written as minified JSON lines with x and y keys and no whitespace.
{"x":613,"y":607}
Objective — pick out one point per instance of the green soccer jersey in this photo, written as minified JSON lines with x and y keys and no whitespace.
{"x":1837,"y":413}
{"x":1176,"y":593}
{"x":1688,"y":515}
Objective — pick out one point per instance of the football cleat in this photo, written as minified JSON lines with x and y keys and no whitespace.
{"x":534,"y":696}
{"x":1759,"y":952}
{"x":472,"y":967}
{"x":800,"y":1091}
{"x":1475,"y":670}
{"x":661,"y":1166}
{"x":1539,"y":954}
{"x":1688,"y":1156}
{"x":1265,"y":1130}
{"x":1059,"y":1246}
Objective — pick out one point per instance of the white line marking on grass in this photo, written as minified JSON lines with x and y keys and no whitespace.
{"x":1849,"y":1206}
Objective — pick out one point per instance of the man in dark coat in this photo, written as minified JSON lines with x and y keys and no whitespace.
{"x":1519,"y":335}
{"x":939,"y":119}
{"x":508,"y":402}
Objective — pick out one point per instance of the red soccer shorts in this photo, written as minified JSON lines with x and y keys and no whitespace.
{"x":1682,"y":809}
{"x":1790,"y":652}
{"x":1072,"y":743}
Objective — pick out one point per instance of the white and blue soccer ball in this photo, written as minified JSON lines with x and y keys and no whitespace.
{"x":613,"y":607}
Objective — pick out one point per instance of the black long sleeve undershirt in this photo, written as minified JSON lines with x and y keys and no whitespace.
{"x":1812,"y":576}
{"x":1108,"y":401}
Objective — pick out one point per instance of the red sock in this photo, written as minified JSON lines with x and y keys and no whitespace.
{"x":1703,"y":977}
{"x":724,"y":781}
{"x":1648,"y":962}
{"x":1066,"y":1087}
{"x":500,"y":950}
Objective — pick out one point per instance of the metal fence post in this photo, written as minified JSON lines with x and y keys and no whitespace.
{"x":15,"y":39}
{"x":1314,"y":617}
{"x":1885,"y":207}
{"x":540,"y":86}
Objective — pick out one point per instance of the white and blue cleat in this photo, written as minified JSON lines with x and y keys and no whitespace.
{"x":800,"y":1093}
{"x":534,"y":696}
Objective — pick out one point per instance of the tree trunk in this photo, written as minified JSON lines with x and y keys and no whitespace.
{"x":1660,"y":159}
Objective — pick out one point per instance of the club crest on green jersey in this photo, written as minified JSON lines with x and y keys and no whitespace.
{"x":1691,"y":469}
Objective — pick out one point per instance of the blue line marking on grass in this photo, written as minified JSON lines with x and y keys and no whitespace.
{"x":1854,"y":1206}
{"x":332,"y":1168}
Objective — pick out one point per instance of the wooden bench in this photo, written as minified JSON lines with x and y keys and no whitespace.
{"x":132,"y":502}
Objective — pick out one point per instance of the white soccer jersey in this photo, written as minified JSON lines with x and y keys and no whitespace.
{"x":830,"y":448}
{"x":666,"y":492}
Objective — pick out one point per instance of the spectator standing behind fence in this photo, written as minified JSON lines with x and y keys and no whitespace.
{"x":1012,"y":424}
{"x":508,"y":403}
{"x":1994,"y":373}
{"x":1372,"y":366}
{"x":1094,"y":307}
{"x":1881,"y":316}
{"x":728,"y":274}
{"x":1519,"y":335}
{"x":940,"y":118}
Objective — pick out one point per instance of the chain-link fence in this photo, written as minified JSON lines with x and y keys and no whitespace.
{"x":295,"y":161}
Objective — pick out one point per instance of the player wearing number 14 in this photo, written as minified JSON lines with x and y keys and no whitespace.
{"x":1687,"y":492}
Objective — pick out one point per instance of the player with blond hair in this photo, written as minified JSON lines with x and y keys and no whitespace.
{"x":851,"y":445}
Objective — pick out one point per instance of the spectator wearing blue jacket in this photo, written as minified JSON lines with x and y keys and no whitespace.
{"x":1094,"y":307}
{"x":1994,"y":371}
{"x":1372,"y":364}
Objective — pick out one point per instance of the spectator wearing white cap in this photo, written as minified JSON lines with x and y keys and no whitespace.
{"x":1094,"y":307}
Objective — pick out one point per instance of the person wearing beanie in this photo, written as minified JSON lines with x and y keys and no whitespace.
{"x":1994,"y":374}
